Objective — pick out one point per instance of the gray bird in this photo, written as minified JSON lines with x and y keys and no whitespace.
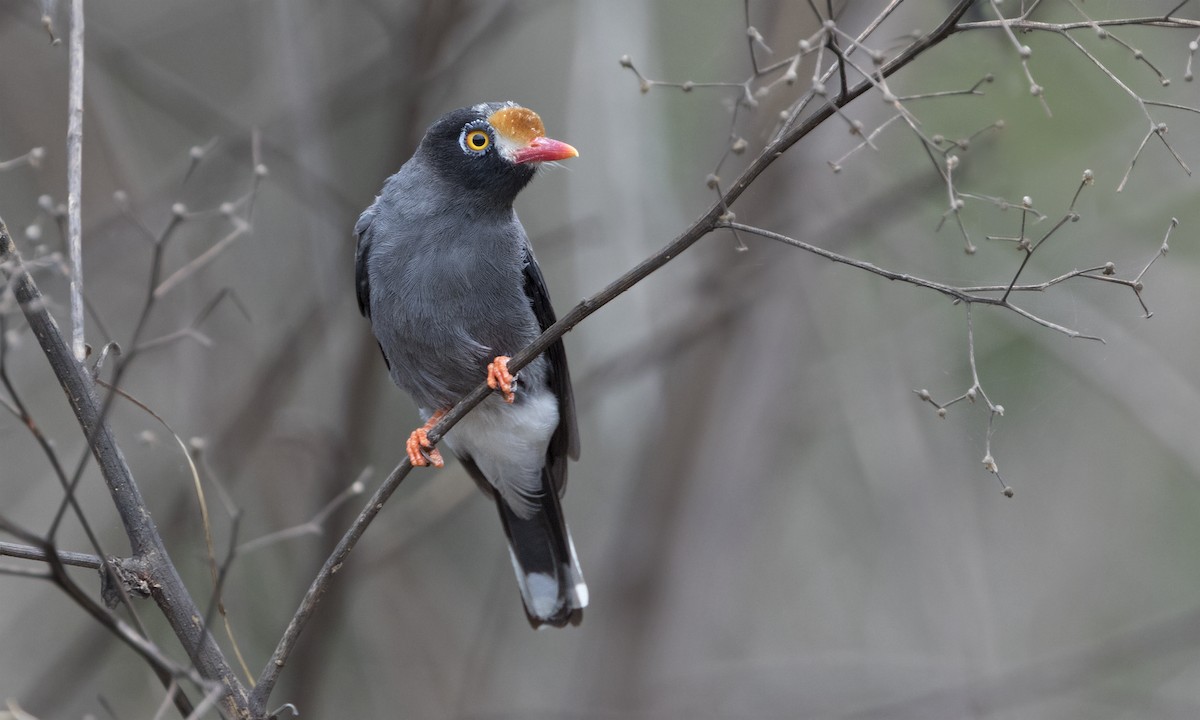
{"x":446,"y":276}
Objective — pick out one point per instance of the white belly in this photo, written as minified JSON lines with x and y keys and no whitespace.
{"x":508,"y":443}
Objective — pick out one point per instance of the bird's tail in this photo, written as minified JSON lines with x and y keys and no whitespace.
{"x":544,"y":560}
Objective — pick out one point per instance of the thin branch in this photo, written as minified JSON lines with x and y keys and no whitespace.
{"x":168,"y":700}
{"x":149,"y":555}
{"x":179,"y":214}
{"x":75,"y":177}
{"x":1023,"y":51}
{"x":1029,"y":249}
{"x":26,"y":572}
{"x":240,"y":228}
{"x":958,"y":294}
{"x":33,"y":158}
{"x":1025,"y":24}
{"x":975,"y":391}
{"x":168,"y":589}
{"x":163,"y":667}
{"x":217,"y":573}
{"x":973,"y":90}
{"x":22,"y":412}
{"x":193,"y":329}
{"x":207,"y":703}
{"x":316,"y":524}
{"x":30,"y":552}
{"x":703,"y":225}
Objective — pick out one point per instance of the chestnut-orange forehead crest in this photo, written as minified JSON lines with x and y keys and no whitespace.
{"x":517,"y":124}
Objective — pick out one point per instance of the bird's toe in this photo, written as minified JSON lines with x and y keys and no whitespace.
{"x":421,"y":451}
{"x":499,"y":378}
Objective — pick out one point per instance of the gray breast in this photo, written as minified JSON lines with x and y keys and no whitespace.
{"x":447,"y":296}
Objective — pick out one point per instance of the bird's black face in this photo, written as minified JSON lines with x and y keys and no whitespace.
{"x":491,"y":149}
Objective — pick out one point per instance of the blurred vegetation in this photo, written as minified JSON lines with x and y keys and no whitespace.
{"x":771,"y":523}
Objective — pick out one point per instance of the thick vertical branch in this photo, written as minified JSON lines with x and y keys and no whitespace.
{"x":150,"y":556}
{"x":75,"y":176}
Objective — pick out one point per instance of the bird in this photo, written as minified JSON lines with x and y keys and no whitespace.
{"x":446,"y":276}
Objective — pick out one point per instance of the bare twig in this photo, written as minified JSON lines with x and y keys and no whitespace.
{"x":193,"y":329}
{"x":30,"y":552}
{"x":1025,"y":24}
{"x":149,"y":556}
{"x":217,"y":573}
{"x":316,"y":524}
{"x":976,"y":390}
{"x":26,"y":572}
{"x":958,"y":294}
{"x":826,"y":104}
{"x":240,"y":228}
{"x":33,"y":158}
{"x":699,"y":228}
{"x":1023,"y":51}
{"x":207,"y":703}
{"x":179,"y":214}
{"x":169,"y":591}
{"x":18,"y":408}
{"x":168,"y":700}
{"x":75,"y":177}
{"x":165,"y":668}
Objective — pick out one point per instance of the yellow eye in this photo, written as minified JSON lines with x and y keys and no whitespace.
{"x":478,"y":140}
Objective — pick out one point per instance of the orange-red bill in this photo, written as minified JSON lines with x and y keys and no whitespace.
{"x":543,"y":149}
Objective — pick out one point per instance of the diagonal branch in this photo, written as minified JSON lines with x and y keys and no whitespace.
{"x":702,"y":226}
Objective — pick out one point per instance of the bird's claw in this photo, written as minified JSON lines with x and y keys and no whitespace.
{"x":421,"y":452}
{"x":498,"y":377}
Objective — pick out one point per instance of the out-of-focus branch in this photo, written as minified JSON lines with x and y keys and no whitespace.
{"x":970,"y":394}
{"x":958,"y":294}
{"x":240,"y":228}
{"x":149,"y":553}
{"x":1024,"y":24}
{"x":706,"y":223}
{"x":165,"y":668}
{"x":21,"y":411}
{"x":75,"y":177}
{"x":316,"y":524}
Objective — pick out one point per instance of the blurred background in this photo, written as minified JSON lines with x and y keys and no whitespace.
{"x":771,"y":523}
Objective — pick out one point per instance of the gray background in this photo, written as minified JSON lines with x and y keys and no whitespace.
{"x":771,"y":523}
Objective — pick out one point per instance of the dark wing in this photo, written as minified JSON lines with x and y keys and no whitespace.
{"x":362,"y":279}
{"x":565,"y":442}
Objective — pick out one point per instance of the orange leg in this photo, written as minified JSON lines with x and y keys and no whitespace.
{"x":421,"y":452}
{"x":498,"y":377}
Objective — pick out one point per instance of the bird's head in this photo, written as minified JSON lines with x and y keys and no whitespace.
{"x":491,"y":148}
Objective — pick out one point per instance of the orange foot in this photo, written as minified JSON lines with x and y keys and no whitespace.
{"x":498,"y":377}
{"x":421,"y":452}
